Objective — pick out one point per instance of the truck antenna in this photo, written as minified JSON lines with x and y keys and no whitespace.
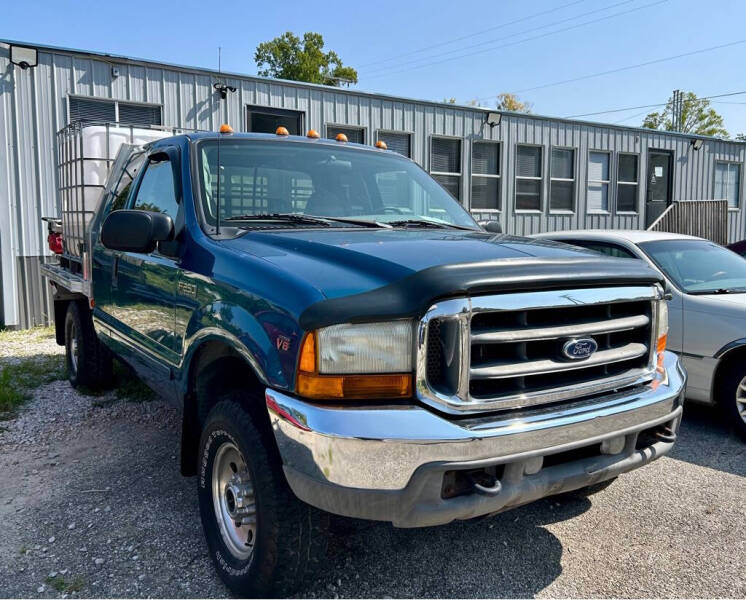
{"x":217,"y":200}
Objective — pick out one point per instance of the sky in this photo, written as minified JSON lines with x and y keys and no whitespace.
{"x":549,"y":52}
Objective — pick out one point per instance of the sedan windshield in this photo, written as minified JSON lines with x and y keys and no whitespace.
{"x":281,"y":180}
{"x":699,"y":266}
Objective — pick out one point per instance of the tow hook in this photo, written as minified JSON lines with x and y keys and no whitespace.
{"x":493,"y":489}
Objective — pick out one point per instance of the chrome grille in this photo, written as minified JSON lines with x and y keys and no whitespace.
{"x":505,"y":351}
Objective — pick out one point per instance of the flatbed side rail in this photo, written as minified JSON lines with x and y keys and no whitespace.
{"x":64,"y":278}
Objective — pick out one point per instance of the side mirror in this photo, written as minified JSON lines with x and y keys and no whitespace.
{"x":491,"y":226}
{"x":136,"y":230}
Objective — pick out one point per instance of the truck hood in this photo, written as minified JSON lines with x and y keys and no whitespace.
{"x":350,"y":261}
{"x":393,"y":273}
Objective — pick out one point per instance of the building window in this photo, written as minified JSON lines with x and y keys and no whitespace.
{"x":97,"y":110}
{"x":627,"y":183}
{"x":263,"y":119}
{"x":445,"y":164}
{"x":528,"y":178}
{"x":355,"y":135}
{"x":485,"y":176}
{"x":562,"y":180}
{"x":598,"y":182}
{"x":397,"y":142}
{"x":728,"y":183}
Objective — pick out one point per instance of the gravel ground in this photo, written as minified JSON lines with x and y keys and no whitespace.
{"x":92,"y":504}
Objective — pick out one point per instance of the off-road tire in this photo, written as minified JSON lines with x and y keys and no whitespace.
{"x":727,"y":400}
{"x":291,"y":536}
{"x":590,"y":490}
{"x":93,"y":367}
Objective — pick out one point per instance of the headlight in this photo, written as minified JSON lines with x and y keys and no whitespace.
{"x":368,"y":360}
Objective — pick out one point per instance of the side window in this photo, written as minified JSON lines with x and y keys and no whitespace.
{"x":122,"y":191}
{"x":605,"y":248}
{"x":157,"y":192}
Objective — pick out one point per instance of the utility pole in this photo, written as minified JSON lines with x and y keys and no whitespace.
{"x":677,"y":111}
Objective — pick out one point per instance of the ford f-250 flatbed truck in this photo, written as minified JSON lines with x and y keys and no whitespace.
{"x":344,"y":338}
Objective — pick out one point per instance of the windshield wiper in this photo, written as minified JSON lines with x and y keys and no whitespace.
{"x":427,"y":223}
{"x":287,"y":217}
{"x":718,"y":291}
{"x":352,"y":221}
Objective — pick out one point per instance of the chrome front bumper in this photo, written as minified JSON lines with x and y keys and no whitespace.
{"x":388,"y":463}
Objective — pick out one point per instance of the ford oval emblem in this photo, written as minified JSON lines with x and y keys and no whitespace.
{"x":579,"y":348}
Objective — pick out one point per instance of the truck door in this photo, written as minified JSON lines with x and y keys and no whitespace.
{"x":126,"y":166}
{"x":144,"y":293}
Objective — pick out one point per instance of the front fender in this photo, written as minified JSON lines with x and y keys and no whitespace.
{"x":267,"y":340}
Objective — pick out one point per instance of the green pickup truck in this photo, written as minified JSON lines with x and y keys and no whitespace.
{"x":344,"y":338}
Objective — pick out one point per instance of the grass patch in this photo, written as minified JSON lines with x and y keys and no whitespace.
{"x":127,"y":386}
{"x":68,"y":586}
{"x":19,"y":378}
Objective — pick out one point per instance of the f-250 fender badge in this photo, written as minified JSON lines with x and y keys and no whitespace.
{"x":579,"y":348}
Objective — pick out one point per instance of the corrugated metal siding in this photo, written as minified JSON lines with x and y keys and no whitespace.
{"x":33,"y":106}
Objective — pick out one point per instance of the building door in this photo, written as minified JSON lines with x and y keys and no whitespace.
{"x":658,"y":195}
{"x":262,"y":119}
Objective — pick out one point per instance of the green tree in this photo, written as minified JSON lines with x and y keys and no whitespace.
{"x":289,"y":57}
{"x":449,"y":100}
{"x":512,"y":103}
{"x":697,"y":116}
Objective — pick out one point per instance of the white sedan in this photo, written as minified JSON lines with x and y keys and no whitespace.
{"x":707,"y":311}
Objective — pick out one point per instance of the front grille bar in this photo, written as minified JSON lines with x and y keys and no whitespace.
{"x":504,"y":330}
{"x":595,"y":327}
{"x":537,"y":367}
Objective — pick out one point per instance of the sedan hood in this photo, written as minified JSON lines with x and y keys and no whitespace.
{"x":394,"y":273}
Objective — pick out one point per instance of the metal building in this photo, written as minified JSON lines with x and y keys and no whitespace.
{"x":531,"y":173}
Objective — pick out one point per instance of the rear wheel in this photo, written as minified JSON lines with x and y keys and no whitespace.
{"x":89,"y":363}
{"x":262,"y":539}
{"x":733,"y":398}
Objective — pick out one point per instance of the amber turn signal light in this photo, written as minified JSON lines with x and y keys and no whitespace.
{"x":311,"y":384}
{"x":353,"y":387}
{"x":225,"y":128}
{"x":382,"y":145}
{"x":341,"y":137}
{"x":282,"y":131}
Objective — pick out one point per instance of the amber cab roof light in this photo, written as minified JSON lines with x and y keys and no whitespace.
{"x":313,"y":134}
{"x":382,"y":145}
{"x":282,"y":130}
{"x":341,"y":137}
{"x":225,"y":128}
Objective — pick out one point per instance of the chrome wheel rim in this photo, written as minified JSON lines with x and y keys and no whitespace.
{"x":741,"y":399}
{"x":233,"y":500}
{"x":74,"y":348}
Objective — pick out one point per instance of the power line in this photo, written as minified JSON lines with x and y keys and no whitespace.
{"x":475,"y":34}
{"x":521,"y":41}
{"x":629,"y":67}
{"x":492,"y":41}
{"x":616,"y":110}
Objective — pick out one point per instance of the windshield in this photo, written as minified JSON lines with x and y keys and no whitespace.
{"x":699,"y":266}
{"x":280,"y":178}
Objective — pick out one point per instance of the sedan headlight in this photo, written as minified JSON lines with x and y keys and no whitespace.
{"x":365,"y":360}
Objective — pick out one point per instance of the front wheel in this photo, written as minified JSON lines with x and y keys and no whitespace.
{"x":262,"y":539}
{"x":733,"y":398}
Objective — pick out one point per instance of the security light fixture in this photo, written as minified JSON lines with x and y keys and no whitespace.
{"x":114,"y":72}
{"x":493,"y":118}
{"x":697,"y":144}
{"x":23,"y":56}
{"x":223,"y":89}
